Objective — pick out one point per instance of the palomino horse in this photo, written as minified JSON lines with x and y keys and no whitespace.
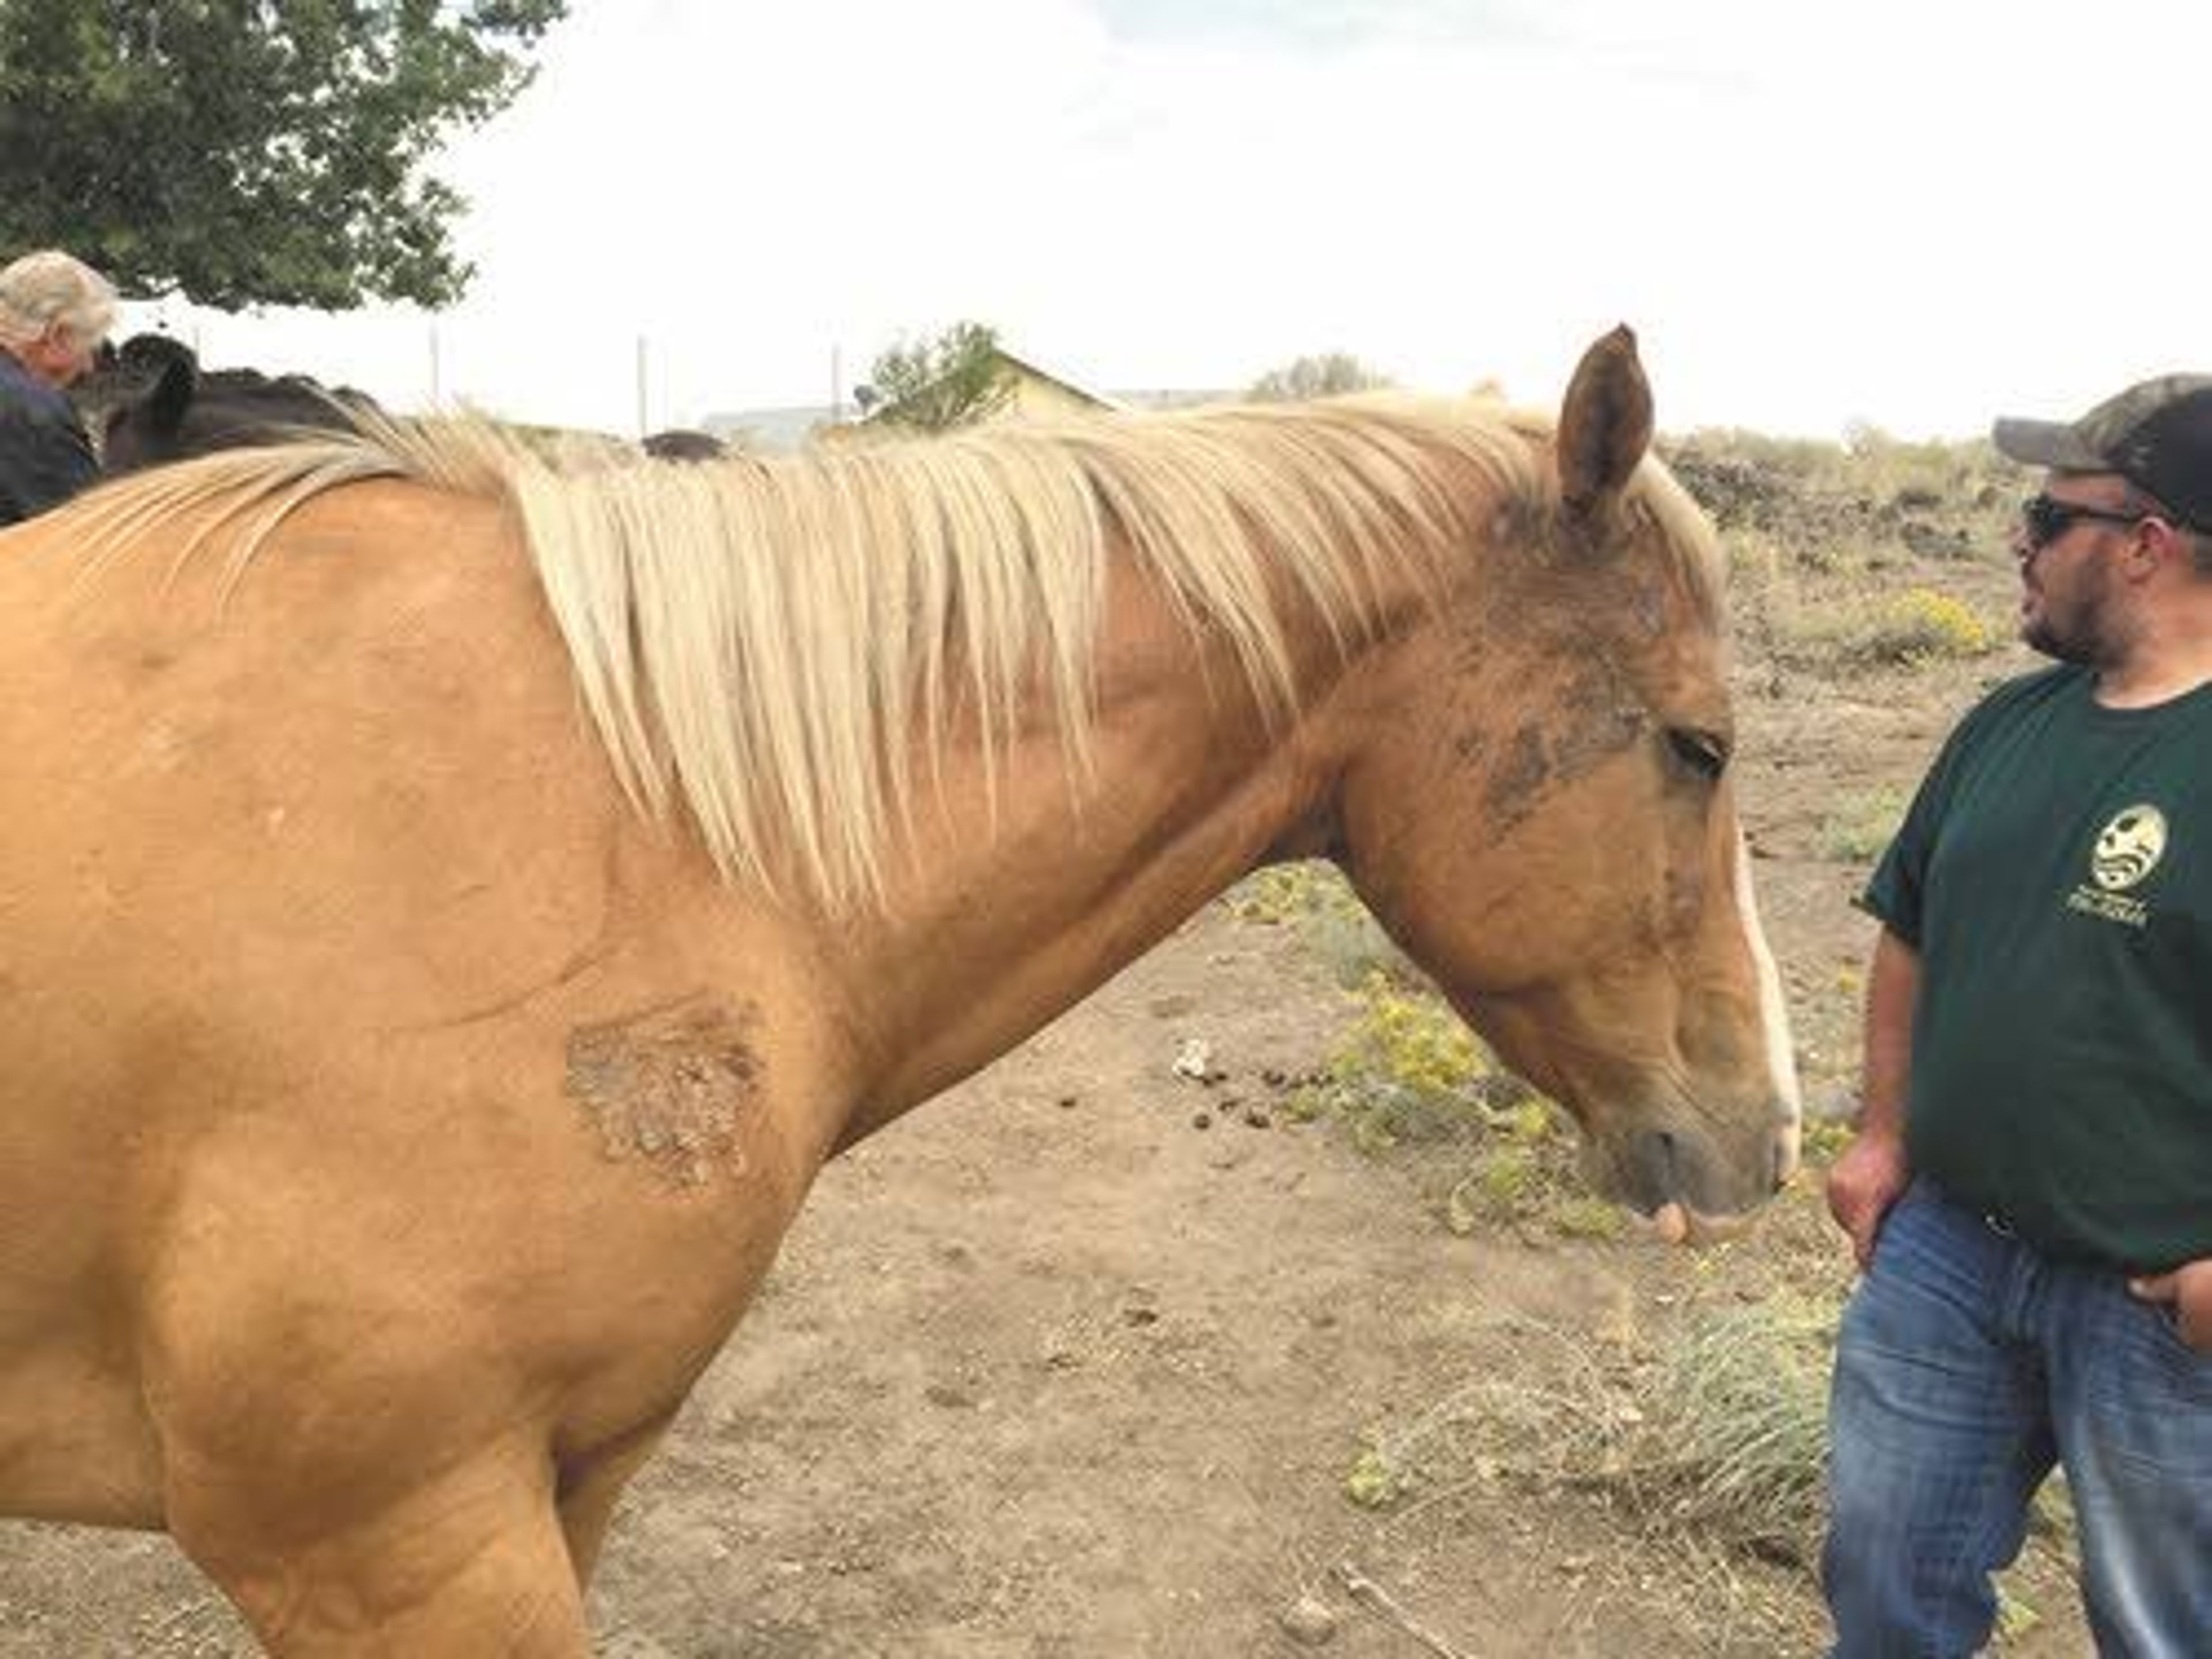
{"x":454,"y":906}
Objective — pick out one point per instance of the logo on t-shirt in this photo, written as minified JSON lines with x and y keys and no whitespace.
{"x":2127,"y":850}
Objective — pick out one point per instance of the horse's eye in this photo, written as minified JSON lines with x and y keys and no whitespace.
{"x":1705,"y":753}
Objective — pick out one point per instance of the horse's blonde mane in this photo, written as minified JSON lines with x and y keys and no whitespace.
{"x":772,"y":643}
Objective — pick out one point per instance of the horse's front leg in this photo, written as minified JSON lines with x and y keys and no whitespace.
{"x":398,"y":1374}
{"x":470,"y":1559}
{"x":397,"y":1426}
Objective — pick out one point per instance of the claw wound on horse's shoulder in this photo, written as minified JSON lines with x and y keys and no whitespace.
{"x":668,"y":1084}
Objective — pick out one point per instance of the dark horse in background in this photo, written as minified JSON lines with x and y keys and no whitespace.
{"x":150,"y":402}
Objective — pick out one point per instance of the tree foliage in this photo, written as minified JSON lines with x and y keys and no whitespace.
{"x":956,"y":380}
{"x":1323,"y":376}
{"x":251,"y":151}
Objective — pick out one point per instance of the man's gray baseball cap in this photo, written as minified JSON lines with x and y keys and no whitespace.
{"x":2157,"y":436}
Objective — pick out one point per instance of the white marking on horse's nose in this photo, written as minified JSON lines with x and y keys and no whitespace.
{"x":1773,"y":1010}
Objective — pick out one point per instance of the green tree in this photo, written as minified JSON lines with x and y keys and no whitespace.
{"x":1315,"y":377}
{"x":956,"y":380}
{"x":252,"y":152}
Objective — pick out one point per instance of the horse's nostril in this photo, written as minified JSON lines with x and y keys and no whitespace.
{"x":1655,"y":1166}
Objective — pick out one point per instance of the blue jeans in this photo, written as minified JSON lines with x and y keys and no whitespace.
{"x":1967,"y":1366}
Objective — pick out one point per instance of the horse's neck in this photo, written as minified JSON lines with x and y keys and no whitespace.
{"x":1002,"y":919}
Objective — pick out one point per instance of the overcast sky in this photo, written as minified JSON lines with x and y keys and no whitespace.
{"x":1912,"y":213}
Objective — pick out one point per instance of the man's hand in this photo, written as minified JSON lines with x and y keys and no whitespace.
{"x":1874,"y":1171}
{"x":1865,"y":1180}
{"x":2188,"y":1288}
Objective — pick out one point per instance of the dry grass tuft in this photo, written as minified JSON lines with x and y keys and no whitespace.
{"x":1861,"y":822}
{"x":1736,"y":1442}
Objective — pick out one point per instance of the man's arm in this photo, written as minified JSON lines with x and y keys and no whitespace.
{"x":1866,"y":1179}
{"x":45,"y":463}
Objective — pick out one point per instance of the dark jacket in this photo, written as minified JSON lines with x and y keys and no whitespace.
{"x":45,"y":456}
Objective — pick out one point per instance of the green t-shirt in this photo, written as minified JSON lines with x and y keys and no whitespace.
{"x":2054,"y":876}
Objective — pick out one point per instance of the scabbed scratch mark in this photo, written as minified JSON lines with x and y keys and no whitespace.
{"x":668,"y":1085}
{"x":1601,"y":718}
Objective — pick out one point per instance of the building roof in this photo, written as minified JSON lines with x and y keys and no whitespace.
{"x":1103,"y":400}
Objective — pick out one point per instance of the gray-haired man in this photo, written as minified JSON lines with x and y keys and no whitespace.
{"x":54,"y":313}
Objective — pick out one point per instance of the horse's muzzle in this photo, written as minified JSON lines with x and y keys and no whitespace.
{"x":1691,"y":1185}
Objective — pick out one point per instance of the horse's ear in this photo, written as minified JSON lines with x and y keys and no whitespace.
{"x":1605,"y":424}
{"x":172,"y":395}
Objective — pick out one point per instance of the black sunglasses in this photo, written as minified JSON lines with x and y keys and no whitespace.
{"x":2044,"y":519}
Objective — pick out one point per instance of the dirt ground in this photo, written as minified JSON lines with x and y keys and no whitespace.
{"x":1077,"y":1360}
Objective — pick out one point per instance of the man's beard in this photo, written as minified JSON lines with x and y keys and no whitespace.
{"x":2078,"y":639}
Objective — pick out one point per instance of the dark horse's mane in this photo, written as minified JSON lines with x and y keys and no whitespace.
{"x":149,"y":402}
